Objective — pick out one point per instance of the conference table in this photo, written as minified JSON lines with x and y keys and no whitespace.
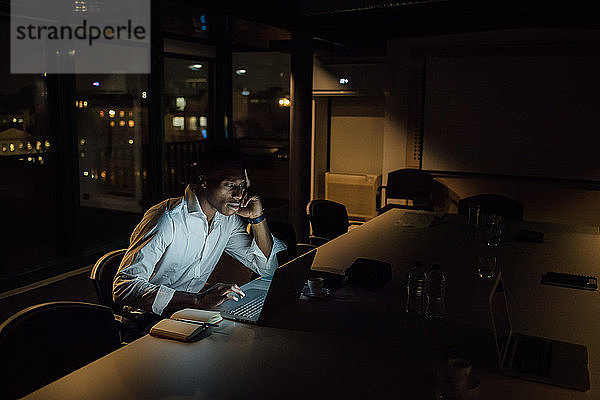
{"x":358,"y":342}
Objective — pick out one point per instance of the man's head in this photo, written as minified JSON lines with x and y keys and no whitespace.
{"x":222,"y":183}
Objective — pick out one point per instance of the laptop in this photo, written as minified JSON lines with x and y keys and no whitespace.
{"x":266,"y":296}
{"x":534,"y":358}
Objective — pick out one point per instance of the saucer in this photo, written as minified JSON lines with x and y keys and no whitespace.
{"x":324,"y":293}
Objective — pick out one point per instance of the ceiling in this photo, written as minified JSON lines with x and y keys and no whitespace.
{"x":385,"y":20}
{"x":366,"y":26}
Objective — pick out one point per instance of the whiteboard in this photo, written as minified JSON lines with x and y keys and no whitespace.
{"x":513,"y":115}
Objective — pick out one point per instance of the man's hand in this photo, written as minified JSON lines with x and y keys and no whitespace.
{"x":250,"y":207}
{"x":217,"y":294}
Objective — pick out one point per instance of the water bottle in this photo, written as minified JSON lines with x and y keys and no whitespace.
{"x":474,"y":217}
{"x":415,"y":290}
{"x":435,"y":293}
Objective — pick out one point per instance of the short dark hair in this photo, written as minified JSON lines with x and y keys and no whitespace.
{"x":219,"y":158}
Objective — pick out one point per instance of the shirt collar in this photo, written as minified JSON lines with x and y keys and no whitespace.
{"x":193,"y":205}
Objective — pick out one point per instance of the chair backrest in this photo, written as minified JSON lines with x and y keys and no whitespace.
{"x":493,"y":203}
{"x":408,"y":183}
{"x":102,"y":275}
{"x":285,"y":232}
{"x":327,"y":218}
{"x":47,"y":341}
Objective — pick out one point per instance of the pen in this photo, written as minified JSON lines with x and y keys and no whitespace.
{"x":196,"y":322}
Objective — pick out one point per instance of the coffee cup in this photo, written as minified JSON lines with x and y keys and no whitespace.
{"x":315,"y":285}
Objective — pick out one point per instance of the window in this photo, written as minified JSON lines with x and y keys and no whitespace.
{"x":28,"y":191}
{"x":261,"y":120}
{"x":187,"y":119}
{"x":112,"y":121}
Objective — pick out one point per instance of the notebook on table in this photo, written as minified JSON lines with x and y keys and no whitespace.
{"x":186,"y":324}
{"x":535,"y":358}
{"x":267,"y":296}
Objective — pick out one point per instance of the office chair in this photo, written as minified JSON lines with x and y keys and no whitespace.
{"x":285,"y":232}
{"x":47,"y":341}
{"x":328,"y":220}
{"x":408,"y":184}
{"x":493,"y":204}
{"x":302,"y":248}
{"x":102,"y":276}
{"x":134,"y":321}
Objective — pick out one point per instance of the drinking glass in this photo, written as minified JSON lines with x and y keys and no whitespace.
{"x":487,"y":266}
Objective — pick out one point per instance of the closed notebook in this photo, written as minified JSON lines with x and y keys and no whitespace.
{"x":185,"y":324}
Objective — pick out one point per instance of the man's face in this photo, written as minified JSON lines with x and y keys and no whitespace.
{"x":225,"y":190}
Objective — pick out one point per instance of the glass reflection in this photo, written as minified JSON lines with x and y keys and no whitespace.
{"x":112,"y":126}
{"x":186,"y":105}
{"x":27,"y":164}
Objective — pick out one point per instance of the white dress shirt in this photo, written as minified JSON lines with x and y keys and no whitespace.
{"x":174,"y":248}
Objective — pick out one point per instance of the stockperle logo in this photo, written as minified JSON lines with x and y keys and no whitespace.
{"x":80,"y":36}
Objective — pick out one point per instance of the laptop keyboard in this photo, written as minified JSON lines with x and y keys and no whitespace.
{"x":532,"y":356}
{"x":250,"y":309}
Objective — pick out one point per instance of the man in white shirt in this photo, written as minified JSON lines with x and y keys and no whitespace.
{"x":176,"y":246}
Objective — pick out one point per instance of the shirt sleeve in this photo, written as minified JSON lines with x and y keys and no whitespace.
{"x":243,"y":247}
{"x":131,"y":285}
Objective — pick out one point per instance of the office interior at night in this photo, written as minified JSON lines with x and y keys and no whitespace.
{"x":323,"y":100}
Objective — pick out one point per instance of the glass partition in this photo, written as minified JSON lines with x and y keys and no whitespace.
{"x":261,"y":120}
{"x":28,"y":195}
{"x":112,"y":124}
{"x":187,"y":119}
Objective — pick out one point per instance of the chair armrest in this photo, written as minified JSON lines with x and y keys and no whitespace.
{"x":128,"y":330}
{"x":318,"y":240}
{"x":136,"y":322}
{"x":381,"y":193}
{"x":302,"y":248}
